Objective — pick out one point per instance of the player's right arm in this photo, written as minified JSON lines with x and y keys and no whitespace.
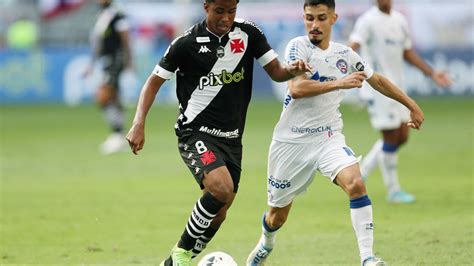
{"x":441,"y":78}
{"x":136,"y":134}
{"x":302,"y":86}
{"x":387,"y":88}
{"x":162,"y":72}
{"x":123,"y":28}
{"x":360,"y":34}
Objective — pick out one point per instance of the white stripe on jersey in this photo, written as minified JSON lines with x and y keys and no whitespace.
{"x":162,"y":73}
{"x":201,"y":98}
{"x":267,"y":57}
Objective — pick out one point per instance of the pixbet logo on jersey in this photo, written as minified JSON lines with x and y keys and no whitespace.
{"x":220,"y":79}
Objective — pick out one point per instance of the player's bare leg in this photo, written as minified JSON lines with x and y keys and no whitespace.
{"x":218,"y":194}
{"x":370,"y":160}
{"x":271,"y":222}
{"x":108,"y":99}
{"x":350,"y":180}
{"x":207,"y":236}
{"x":388,"y":162}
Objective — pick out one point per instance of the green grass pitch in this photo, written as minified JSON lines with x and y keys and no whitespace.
{"x":62,"y":203}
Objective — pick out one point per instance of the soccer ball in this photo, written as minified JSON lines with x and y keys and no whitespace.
{"x":217,"y":258}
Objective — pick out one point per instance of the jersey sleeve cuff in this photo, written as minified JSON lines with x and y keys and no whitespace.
{"x":355,"y":38}
{"x":162,"y":73}
{"x":267,"y":57}
{"x":369,"y":73}
{"x":122,"y":25}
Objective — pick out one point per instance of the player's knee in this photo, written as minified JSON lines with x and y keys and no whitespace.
{"x":222,"y":192}
{"x":101,"y":99}
{"x":355,"y":187}
{"x":105,"y":95}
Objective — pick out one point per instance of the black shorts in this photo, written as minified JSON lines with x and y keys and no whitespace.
{"x":203,"y":153}
{"x":113,"y":65}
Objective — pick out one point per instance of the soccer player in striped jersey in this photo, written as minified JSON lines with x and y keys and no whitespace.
{"x":110,"y":44}
{"x":213,"y":61}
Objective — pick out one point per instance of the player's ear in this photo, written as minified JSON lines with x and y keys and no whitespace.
{"x":206,"y":6}
{"x":334,"y":18}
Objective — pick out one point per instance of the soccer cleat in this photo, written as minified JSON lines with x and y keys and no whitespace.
{"x":258,"y":255}
{"x":401,"y":197}
{"x":179,"y":257}
{"x":116,"y":142}
{"x":373,"y":261}
{"x":167,"y":262}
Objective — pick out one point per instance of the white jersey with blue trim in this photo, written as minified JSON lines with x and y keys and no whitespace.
{"x":383,"y":38}
{"x":315,"y":118}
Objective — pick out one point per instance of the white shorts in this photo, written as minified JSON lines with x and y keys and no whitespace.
{"x":291,"y":166}
{"x":386,"y":113}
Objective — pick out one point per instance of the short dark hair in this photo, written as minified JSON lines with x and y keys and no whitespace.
{"x":212,"y":1}
{"x":328,"y":3}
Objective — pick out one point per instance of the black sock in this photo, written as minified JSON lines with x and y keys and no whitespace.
{"x":201,"y":243}
{"x":204,"y":211}
{"x":114,"y":116}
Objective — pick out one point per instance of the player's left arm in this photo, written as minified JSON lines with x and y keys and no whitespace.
{"x":440,"y":77}
{"x":265,"y":55}
{"x":389,"y":89}
{"x":360,"y":34}
{"x":123,"y":27}
{"x":279,"y":73}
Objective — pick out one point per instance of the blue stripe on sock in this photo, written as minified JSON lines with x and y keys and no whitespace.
{"x":360,"y":202}
{"x":387,"y":147}
{"x":265,"y":225}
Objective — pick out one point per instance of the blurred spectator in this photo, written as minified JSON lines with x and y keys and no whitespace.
{"x":382,"y":35}
{"x":52,"y":8}
{"x":22,"y":34}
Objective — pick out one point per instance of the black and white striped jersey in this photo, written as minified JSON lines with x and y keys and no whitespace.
{"x":214,"y":76}
{"x":106,"y":33}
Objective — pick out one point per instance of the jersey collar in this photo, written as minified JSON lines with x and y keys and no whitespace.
{"x":205,"y":30}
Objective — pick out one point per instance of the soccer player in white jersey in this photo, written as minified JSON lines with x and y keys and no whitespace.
{"x":382,"y":36}
{"x":309,"y":136}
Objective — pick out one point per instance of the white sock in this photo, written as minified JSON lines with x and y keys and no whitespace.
{"x":388,"y":162}
{"x":268,"y":235}
{"x":370,"y":160}
{"x":364,"y":230}
{"x":268,"y":239}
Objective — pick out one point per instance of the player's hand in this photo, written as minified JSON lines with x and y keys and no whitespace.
{"x":136,"y":138}
{"x":354,"y":80}
{"x":442,"y":79}
{"x":299,"y":67}
{"x":417,"y":118}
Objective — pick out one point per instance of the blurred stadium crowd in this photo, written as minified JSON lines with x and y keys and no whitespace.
{"x":57,"y":22}
{"x":58,"y":33}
